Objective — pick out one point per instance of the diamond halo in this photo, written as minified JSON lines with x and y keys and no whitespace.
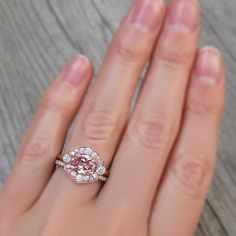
{"x":83,"y":165}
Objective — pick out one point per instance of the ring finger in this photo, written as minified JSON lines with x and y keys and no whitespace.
{"x":103,"y":115}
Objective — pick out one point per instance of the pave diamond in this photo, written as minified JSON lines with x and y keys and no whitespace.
{"x":67,"y":158}
{"x":88,"y":150}
{"x":94,"y":154}
{"x":99,"y":160}
{"x":101,"y":170}
{"x":76,"y":150}
{"x":85,"y":178}
{"x":73,"y":173}
{"x":82,"y":150}
{"x":79,"y":178}
{"x":72,"y":153}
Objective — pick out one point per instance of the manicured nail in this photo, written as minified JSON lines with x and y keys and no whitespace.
{"x":183,"y":15}
{"x":208,"y":66}
{"x":75,"y":71}
{"x":146,"y":14}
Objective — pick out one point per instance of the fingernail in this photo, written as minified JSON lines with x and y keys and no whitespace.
{"x":208,"y":66}
{"x":183,"y":15}
{"x":75,"y":70}
{"x":146,"y":14}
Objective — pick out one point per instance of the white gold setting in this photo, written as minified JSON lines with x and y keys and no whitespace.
{"x":83,"y":165}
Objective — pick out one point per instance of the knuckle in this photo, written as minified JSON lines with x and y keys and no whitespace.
{"x":192,"y":173}
{"x":56,"y":102}
{"x":127,"y":51}
{"x":174,"y":53}
{"x":201,"y":103}
{"x":50,"y":101}
{"x":115,"y":220}
{"x":154,"y":133}
{"x":100,"y":125}
{"x":35,"y":148}
{"x":115,"y":227}
{"x":5,"y":222}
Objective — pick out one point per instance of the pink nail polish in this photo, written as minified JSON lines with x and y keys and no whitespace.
{"x":183,"y":15}
{"x":146,"y":14}
{"x":208,"y":66}
{"x":75,"y":71}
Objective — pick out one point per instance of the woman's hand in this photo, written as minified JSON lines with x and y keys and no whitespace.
{"x":162,"y":157}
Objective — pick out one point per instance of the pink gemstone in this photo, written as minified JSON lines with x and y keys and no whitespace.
{"x":75,"y":161}
{"x":91,"y":166}
{"x":87,"y":166}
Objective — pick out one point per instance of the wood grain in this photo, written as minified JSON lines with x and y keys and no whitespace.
{"x":38,"y":37}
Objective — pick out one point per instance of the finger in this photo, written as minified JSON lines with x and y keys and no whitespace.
{"x":104,"y":112}
{"x":46,"y":135}
{"x":188,"y":176}
{"x":154,"y":124}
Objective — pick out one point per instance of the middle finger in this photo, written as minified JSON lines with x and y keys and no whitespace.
{"x":153,"y":127}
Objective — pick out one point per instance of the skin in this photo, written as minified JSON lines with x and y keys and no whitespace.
{"x":161,"y":154}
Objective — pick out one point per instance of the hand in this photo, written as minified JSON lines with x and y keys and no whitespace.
{"x":162,"y":155}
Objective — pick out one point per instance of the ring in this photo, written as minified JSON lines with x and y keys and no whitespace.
{"x":84,"y":165}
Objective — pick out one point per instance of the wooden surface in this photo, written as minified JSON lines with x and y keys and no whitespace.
{"x":38,"y":37}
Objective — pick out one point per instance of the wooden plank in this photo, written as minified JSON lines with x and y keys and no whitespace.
{"x":38,"y":37}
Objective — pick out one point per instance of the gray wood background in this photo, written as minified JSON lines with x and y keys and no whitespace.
{"x":38,"y":37}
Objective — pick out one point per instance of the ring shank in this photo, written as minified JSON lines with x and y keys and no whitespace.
{"x":83,"y":165}
{"x":60,"y":163}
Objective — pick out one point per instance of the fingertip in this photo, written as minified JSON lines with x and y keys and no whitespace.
{"x":207,"y":88}
{"x":209,"y":66}
{"x":146,"y":14}
{"x":77,"y":70}
{"x":184,"y":15}
{"x":86,"y":60}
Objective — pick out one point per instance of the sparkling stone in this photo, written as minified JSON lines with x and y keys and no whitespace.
{"x":72,"y":153}
{"x":85,"y":178}
{"x":99,"y":160}
{"x":79,"y":178}
{"x":82,"y":150}
{"x":67,"y":158}
{"x":88,"y":157}
{"x":94,"y":154}
{"x":73,"y":173}
{"x":88,"y":150}
{"x":81,"y":170}
{"x":76,"y":150}
{"x":96,"y":158}
{"x":68,"y":167}
{"x":101,"y":170}
{"x":73,"y":167}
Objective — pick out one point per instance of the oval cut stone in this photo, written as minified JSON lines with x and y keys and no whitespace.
{"x":84,"y":166}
